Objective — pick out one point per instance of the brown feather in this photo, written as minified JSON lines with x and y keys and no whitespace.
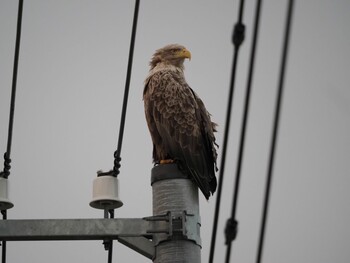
{"x":179,"y":124}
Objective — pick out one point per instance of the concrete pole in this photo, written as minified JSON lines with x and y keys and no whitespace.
{"x":174,"y":192}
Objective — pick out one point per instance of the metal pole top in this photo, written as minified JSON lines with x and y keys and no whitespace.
{"x":165,"y":172}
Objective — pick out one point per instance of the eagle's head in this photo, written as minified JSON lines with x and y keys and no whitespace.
{"x":172,"y":54}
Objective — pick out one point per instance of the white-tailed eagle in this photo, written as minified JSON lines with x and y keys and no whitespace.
{"x":180,"y":126}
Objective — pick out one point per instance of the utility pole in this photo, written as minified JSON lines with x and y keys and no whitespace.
{"x":176,"y":195}
{"x":172,"y":234}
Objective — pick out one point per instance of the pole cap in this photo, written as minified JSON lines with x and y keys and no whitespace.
{"x":166,"y":172}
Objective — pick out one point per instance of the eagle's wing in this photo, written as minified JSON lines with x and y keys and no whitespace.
{"x":180,"y":127}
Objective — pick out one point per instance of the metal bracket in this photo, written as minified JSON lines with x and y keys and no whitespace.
{"x":173,"y":226}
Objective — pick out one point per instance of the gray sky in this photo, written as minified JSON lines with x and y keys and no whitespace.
{"x":71,"y":81}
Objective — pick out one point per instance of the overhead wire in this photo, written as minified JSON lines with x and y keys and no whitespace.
{"x":275,"y":129}
{"x":237,"y":40}
{"x":232,"y":223}
{"x":117,"y":153}
{"x":7,"y":156}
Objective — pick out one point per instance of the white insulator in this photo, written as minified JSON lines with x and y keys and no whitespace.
{"x":5,"y":203}
{"x":105,"y":193}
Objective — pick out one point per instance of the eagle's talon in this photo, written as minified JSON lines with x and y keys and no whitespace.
{"x":166,"y":161}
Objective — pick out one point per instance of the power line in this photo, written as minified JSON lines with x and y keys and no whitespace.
{"x":275,"y":129}
{"x":7,"y":156}
{"x":117,"y":153}
{"x":237,"y":39}
{"x":232,"y":222}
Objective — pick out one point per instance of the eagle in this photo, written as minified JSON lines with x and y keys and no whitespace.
{"x":180,"y":126}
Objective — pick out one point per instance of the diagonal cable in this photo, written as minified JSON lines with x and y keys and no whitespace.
{"x":6,"y":172}
{"x":117,"y":153}
{"x":232,"y":224}
{"x":275,"y":130}
{"x":110,"y":213}
{"x":237,"y":39}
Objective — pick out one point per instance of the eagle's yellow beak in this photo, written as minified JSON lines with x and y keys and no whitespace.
{"x":184,"y":53}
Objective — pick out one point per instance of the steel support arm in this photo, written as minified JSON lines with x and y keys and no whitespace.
{"x":140,"y":234}
{"x":73,"y":229}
